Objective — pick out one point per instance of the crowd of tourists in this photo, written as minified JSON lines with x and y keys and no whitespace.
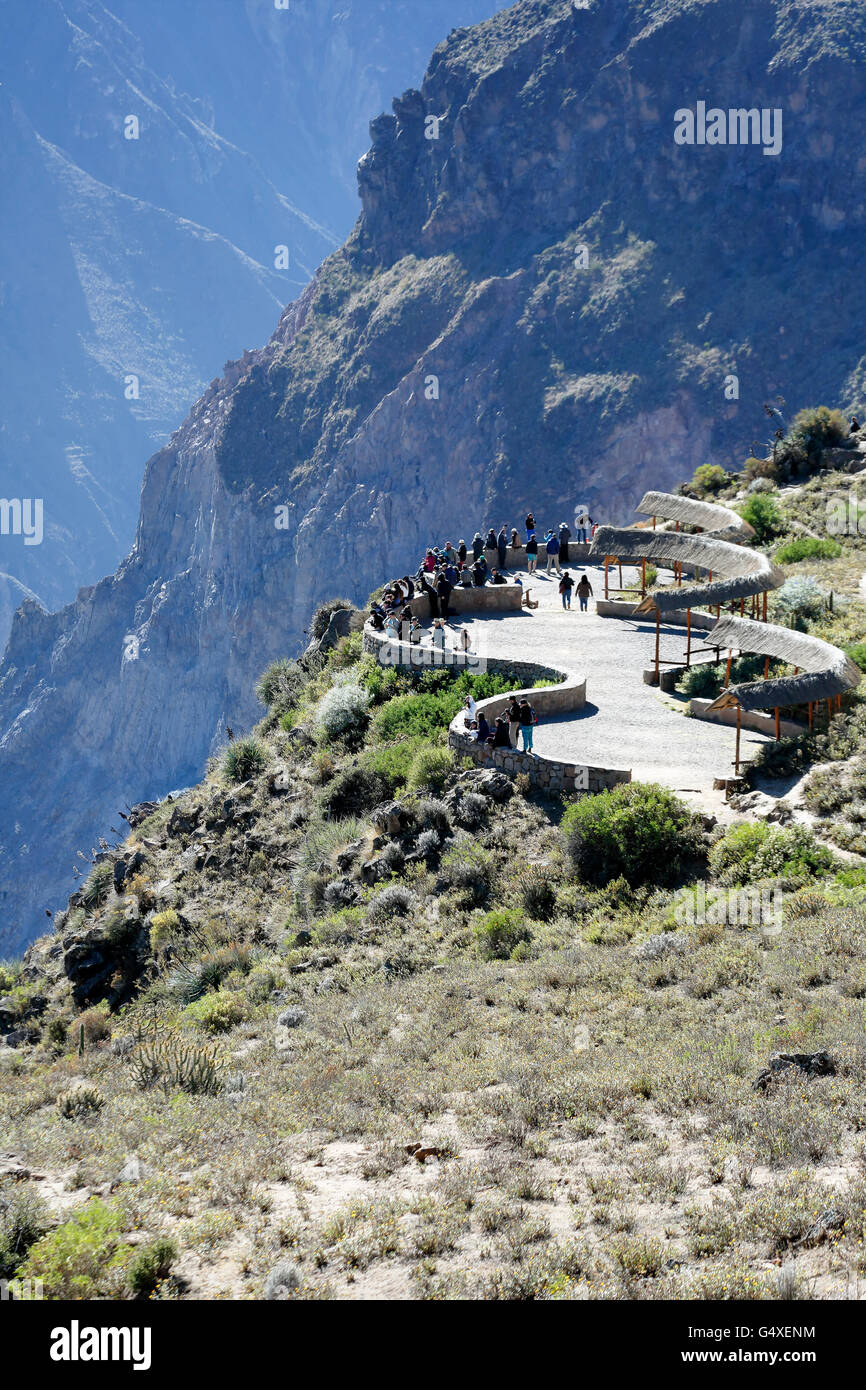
{"x":483,"y":561}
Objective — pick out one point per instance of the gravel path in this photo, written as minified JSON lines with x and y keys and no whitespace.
{"x":626,"y":723}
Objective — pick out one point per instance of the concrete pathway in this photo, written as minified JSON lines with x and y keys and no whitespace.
{"x":626,"y":724}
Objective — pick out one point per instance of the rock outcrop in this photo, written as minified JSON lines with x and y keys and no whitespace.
{"x":540,"y":305}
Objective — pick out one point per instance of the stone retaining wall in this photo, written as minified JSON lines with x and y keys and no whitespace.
{"x":548,"y":774}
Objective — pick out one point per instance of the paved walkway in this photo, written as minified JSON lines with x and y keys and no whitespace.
{"x":626,"y":724}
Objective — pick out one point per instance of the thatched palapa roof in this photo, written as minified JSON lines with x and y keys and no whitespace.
{"x":723,"y":523}
{"x":742,"y":572}
{"x":825,"y":671}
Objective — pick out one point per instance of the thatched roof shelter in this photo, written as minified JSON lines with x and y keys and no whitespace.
{"x":825,"y":671}
{"x":741,"y":572}
{"x":721,"y":522}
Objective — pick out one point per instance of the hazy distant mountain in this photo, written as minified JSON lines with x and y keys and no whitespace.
{"x":154,"y":258}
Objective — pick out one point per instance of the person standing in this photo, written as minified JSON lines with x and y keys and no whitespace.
{"x":514,"y":720}
{"x":564,"y":538}
{"x":566,"y":584}
{"x":531,"y":553}
{"x":527,"y":721}
{"x":530,"y":525}
{"x":584,"y":592}
{"x":552,"y":548}
{"x":502,"y":546}
{"x":461,"y":552}
{"x":477,"y":545}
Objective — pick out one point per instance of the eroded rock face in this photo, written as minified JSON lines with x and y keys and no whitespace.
{"x":455,"y":363}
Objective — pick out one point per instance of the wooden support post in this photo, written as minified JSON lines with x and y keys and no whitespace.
{"x":606,"y":563}
{"x":728,"y":669}
{"x":766,"y":667}
{"x":810,"y":714}
{"x":654,"y":523}
{"x":688,"y":638}
{"x":737,"y":752}
{"x":643,"y":577}
{"x":742,"y":607}
{"x":658,"y":639}
{"x":620,"y":576}
{"x":765,"y":605}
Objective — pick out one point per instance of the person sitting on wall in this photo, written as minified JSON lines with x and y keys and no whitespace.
{"x":465,"y":577}
{"x":392,"y":626}
{"x":515,"y":540}
{"x":491,"y":542}
{"x":377,"y":621}
{"x":479,"y":572}
{"x":497,"y":578}
{"x":429,"y":561}
{"x":482,"y":731}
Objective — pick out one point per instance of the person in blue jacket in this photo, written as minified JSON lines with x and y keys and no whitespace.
{"x":552,"y":548}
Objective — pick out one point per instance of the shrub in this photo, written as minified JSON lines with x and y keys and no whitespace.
{"x":424,"y":715}
{"x":749,"y":852}
{"x":709,"y":478}
{"x":175,"y":1065}
{"x":818,"y":428}
{"x":244,"y":759}
{"x":217,"y":1013}
{"x":354,"y":791}
{"x":732,"y":858}
{"x":164,"y":927}
{"x":191,"y":982}
{"x":807,"y":548}
{"x":82,"y":1258}
{"x":324,"y":613}
{"x":23,"y":1220}
{"x":642,"y":833}
{"x":799,"y":599}
{"x":499,"y":933}
{"x":281,"y":687}
{"x":466,"y":869}
{"x":857,"y":653}
{"x":152,"y":1264}
{"x":431,"y":813}
{"x":537,"y":894}
{"x":762,"y":513}
{"x":98,"y":887}
{"x":431,"y":768}
{"x":80,"y":1103}
{"x":471,"y":810}
{"x":393,"y":761}
{"x":394,"y":901}
{"x":342,"y":710}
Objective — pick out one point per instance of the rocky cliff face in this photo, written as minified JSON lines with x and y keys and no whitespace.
{"x":541,"y":306}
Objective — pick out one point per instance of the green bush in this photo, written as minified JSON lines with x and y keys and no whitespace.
{"x":151,"y":1265}
{"x":217,"y":1013}
{"x":818,"y":428}
{"x":82,"y":1258}
{"x":709,"y":478}
{"x":807,"y":548}
{"x":466,"y":869}
{"x":423,"y":715}
{"x":499,"y":933}
{"x":430,"y":769}
{"x":732,"y":858}
{"x":392,"y":761}
{"x":763,"y":514}
{"x":354,"y":791}
{"x":640,"y":832}
{"x":857,"y":653}
{"x":244,"y":759}
{"x":748,"y":853}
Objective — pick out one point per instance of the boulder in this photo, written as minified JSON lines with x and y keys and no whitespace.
{"x":183,"y":822}
{"x":493,"y":784}
{"x":810,"y":1063}
{"x":8,"y":1015}
{"x":391,"y":817}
